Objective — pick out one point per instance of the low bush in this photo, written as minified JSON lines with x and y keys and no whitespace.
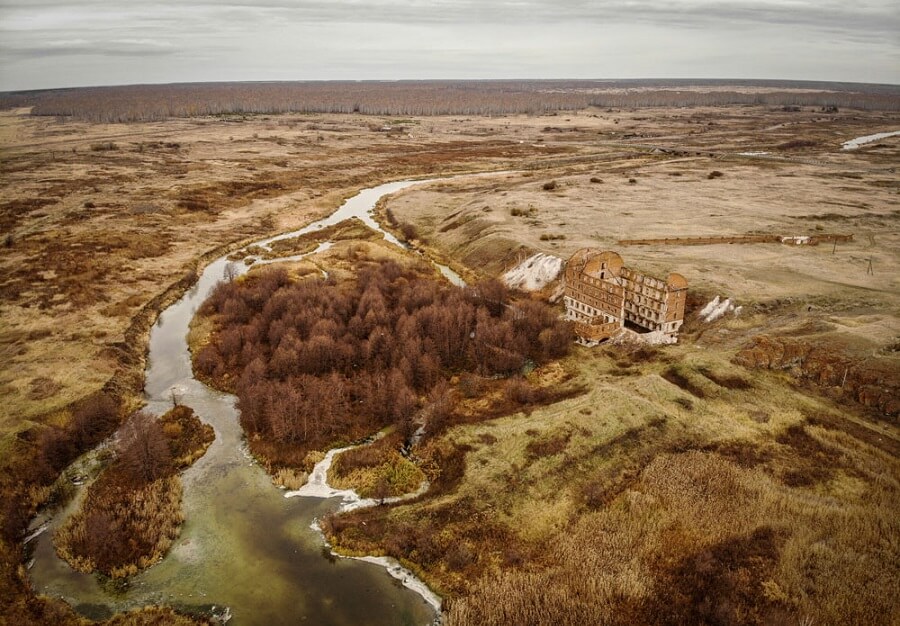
{"x":104,"y":146}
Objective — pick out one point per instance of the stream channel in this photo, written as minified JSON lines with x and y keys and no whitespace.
{"x":244,"y":548}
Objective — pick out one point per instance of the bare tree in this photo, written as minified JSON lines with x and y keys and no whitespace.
{"x":143,"y":449}
{"x":231,"y":271}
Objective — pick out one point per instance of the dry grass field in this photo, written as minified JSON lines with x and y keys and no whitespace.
{"x":682,"y":487}
{"x":97,"y":220}
{"x":742,"y":501}
{"x":672,"y":485}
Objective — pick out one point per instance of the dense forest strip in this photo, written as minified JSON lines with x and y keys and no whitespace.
{"x":132,"y":513}
{"x":316,"y":363}
{"x":155,"y":102}
{"x":811,"y":240}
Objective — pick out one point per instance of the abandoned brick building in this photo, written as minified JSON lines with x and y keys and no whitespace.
{"x":603,"y":296}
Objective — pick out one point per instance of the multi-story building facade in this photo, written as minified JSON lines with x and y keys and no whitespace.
{"x":603,"y":296}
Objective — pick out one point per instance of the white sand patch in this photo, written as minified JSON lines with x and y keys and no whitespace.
{"x":853,"y":144}
{"x":534,"y":273}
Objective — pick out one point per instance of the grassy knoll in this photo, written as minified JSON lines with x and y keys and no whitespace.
{"x":377,"y":470}
{"x":645,"y":501}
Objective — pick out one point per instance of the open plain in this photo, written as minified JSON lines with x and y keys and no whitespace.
{"x":748,"y":474}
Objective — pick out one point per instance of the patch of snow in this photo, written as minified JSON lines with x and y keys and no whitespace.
{"x":853,"y":144}
{"x":717,"y":307}
{"x":800,"y":240}
{"x":709,"y":308}
{"x":625,"y":336}
{"x":220,"y":616}
{"x":37,"y":532}
{"x":322,"y":247}
{"x":720,"y":310}
{"x":534,"y":273}
{"x":317,"y":487}
{"x":753,"y":153}
{"x":406,"y":578}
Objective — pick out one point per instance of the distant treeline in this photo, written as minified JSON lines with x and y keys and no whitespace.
{"x":155,"y":102}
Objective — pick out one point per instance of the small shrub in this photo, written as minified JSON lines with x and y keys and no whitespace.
{"x":409,"y":231}
{"x":519,"y":391}
{"x":680,"y":380}
{"x":552,"y":237}
{"x":728,"y":381}
{"x":549,"y":186}
{"x":798,"y":144}
{"x":469,"y":385}
{"x":595,"y":179}
{"x":459,"y":556}
{"x":548,"y":445}
{"x":715,"y":174}
{"x":104,"y":146}
{"x":632,"y":181}
{"x":89,"y":205}
{"x":685,"y":403}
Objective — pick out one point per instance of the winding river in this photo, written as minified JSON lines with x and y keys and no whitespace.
{"x":244,"y":548}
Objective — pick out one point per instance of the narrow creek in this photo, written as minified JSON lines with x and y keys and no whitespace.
{"x":244,"y":548}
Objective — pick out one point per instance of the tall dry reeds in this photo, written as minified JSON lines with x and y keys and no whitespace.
{"x":132,"y":513}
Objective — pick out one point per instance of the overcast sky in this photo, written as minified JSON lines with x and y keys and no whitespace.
{"x":58,"y":43}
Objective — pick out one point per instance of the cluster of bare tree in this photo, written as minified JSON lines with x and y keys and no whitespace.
{"x":154,"y":102}
{"x":316,"y":361}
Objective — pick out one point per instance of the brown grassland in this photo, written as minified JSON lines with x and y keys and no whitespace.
{"x":748,"y":474}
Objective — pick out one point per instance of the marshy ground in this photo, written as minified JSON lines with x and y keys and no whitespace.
{"x":681,"y":484}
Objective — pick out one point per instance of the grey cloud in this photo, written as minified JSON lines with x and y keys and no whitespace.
{"x":874,"y":17}
{"x":296,"y":39}
{"x":121,"y":48}
{"x":882,"y":16}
